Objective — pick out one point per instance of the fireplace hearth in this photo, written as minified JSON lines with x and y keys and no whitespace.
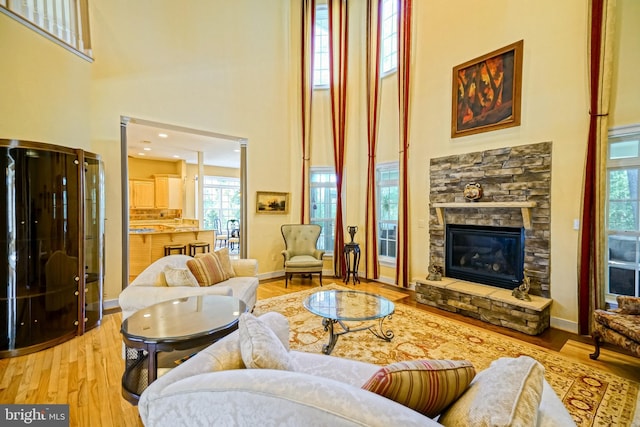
{"x":485,"y":254}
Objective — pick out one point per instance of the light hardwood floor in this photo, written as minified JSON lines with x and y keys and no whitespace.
{"x":86,"y":372}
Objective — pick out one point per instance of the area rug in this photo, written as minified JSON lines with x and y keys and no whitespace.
{"x":593,"y":398}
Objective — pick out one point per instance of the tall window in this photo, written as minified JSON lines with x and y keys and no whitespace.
{"x":389,"y":36}
{"x":221,"y":201}
{"x":623,"y":223}
{"x":324,"y":196}
{"x":321,"y":48}
{"x":64,"y":21}
{"x":387,"y":199}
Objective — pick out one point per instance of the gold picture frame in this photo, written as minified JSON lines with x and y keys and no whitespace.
{"x":270,"y":202}
{"x":487,"y":92}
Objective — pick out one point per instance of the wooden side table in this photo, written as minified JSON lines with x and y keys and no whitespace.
{"x":351,"y":253}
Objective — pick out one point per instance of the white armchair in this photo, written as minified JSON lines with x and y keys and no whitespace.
{"x":301,"y":255}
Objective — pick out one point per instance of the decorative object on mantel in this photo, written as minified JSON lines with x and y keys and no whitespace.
{"x":522,"y":291}
{"x":352,"y":229}
{"x":486,"y":92}
{"x":435,"y":272}
{"x":473,"y":191}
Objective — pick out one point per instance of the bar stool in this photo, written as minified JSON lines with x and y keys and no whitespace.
{"x":168,"y":249}
{"x":193,"y":247}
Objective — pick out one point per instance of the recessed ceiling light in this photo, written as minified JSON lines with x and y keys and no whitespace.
{"x":176,"y":156}
{"x":147,"y":149}
{"x":236,"y":151}
{"x":140,"y":154}
{"x":163,"y":135}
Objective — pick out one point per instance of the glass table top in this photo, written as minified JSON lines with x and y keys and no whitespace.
{"x":183,"y":318}
{"x":348,"y":305}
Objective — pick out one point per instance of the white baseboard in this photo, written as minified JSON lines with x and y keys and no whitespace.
{"x":565,"y":325}
{"x":109,"y":304}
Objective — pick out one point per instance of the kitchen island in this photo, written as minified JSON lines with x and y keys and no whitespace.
{"x":146,"y":244}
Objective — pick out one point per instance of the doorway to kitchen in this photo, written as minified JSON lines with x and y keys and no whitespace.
{"x":192,"y":155}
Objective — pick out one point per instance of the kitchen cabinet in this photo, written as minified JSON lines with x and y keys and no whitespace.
{"x":141,"y":193}
{"x":168,"y":190}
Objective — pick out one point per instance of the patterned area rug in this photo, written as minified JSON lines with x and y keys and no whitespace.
{"x":593,"y":398}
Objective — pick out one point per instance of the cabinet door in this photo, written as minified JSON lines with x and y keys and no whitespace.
{"x":175,"y":193}
{"x":143,"y":194}
{"x":162,"y":192}
{"x":168,"y":192}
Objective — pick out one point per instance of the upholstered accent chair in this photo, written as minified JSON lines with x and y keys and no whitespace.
{"x":620,"y":327}
{"x":301,"y":255}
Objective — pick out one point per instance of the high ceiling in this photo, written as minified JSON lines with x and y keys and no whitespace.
{"x":144,"y":142}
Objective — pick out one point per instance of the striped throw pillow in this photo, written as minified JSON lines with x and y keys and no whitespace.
{"x":426,"y":386}
{"x":207,"y":269}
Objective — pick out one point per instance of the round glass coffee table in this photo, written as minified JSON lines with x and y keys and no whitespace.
{"x":338,"y":306}
{"x":181,"y":324}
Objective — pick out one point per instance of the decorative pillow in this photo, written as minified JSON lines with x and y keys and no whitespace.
{"x":225,"y":260}
{"x":160,"y":280}
{"x":207,"y":270}
{"x":508,"y":393}
{"x":628,"y":305}
{"x":179,"y":277}
{"x":259,"y":345}
{"x":426,"y":386}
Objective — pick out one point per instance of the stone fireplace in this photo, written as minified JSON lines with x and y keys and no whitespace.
{"x":516,"y":183}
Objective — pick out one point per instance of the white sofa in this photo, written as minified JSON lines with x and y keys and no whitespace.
{"x":214,"y":388}
{"x":144,"y":290}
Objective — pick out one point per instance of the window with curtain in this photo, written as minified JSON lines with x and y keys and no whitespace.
{"x":321,"y":47}
{"x":323,"y":200}
{"x":221,"y":200}
{"x":64,"y":21}
{"x":389,"y":37}
{"x":387,"y":175}
{"x":623,"y":212}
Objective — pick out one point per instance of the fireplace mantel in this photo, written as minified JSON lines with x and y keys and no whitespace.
{"x":523,"y":206}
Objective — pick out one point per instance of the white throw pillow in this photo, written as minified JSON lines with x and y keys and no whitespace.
{"x":179,"y":277}
{"x":260,"y":346}
{"x":508,"y":393}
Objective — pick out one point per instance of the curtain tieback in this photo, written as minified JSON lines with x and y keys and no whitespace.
{"x":598,"y":115}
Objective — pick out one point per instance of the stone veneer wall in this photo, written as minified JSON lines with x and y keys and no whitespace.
{"x":511,"y":174}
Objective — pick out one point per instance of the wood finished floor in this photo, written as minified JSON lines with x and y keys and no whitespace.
{"x":85,"y":372}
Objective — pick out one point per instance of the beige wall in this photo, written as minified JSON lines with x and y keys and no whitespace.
{"x":232,"y":68}
{"x":44,"y":89}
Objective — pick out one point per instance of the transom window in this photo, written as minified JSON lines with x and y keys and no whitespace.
{"x":387,"y":200}
{"x":323,"y":199}
{"x":623,"y":213}
{"x":321,"y":47}
{"x":389,"y":37}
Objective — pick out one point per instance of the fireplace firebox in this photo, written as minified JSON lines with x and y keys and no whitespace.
{"x":484,"y":254}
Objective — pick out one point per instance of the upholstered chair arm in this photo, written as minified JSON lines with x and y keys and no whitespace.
{"x":245,"y":267}
{"x":318,"y":254}
{"x":628,"y":305}
{"x":286,"y":254}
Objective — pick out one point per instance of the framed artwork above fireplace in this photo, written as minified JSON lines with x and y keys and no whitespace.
{"x":487,"y":92}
